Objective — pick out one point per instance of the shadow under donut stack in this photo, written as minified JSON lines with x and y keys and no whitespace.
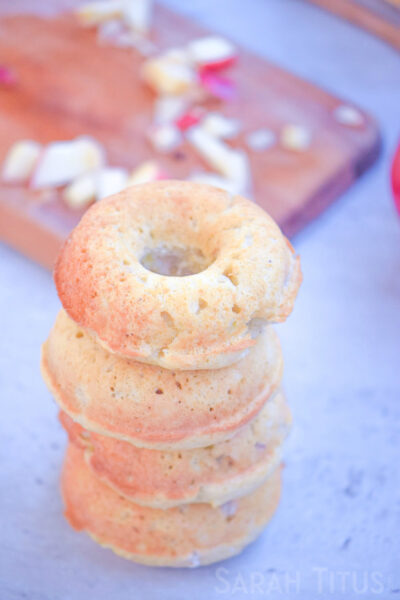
{"x":167,"y":372}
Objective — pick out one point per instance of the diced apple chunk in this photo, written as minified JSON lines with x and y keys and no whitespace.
{"x":165,"y":138}
{"x":169,"y":108}
{"x":110,"y":180}
{"x":212,"y":52}
{"x":261,"y":139}
{"x":144,"y":173}
{"x":20,"y":161}
{"x":177,"y":55}
{"x":62,"y":162}
{"x":232,"y":164}
{"x":81,"y":192}
{"x":348,"y":115}
{"x":167,"y":76}
{"x":295,"y":137}
{"x":221,"y":126}
{"x":94,"y":13}
{"x":137,"y":14}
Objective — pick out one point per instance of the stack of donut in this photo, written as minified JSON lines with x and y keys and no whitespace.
{"x":167,"y":371}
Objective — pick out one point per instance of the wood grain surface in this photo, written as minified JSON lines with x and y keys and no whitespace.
{"x":70,"y":85}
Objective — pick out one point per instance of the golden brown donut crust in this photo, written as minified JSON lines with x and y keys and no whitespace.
{"x":188,"y":535}
{"x":204,"y":320}
{"x":150,"y":406}
{"x":215,"y":474}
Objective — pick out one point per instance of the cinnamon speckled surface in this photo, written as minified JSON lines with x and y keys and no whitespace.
{"x":336,"y":533}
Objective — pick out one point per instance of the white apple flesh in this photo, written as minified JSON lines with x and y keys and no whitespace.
{"x":94,"y":13}
{"x":168,"y":109}
{"x":20,"y":161}
{"x":295,"y":137}
{"x":168,"y":77}
{"x":137,"y":14}
{"x":61,"y":162}
{"x":231,"y":164}
{"x":220,"y":126}
{"x":110,"y":180}
{"x":81,"y":192}
{"x":145,"y":173}
{"x":165,"y":138}
{"x":212,"y":52}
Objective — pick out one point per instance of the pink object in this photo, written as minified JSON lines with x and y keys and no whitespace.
{"x":190,"y":118}
{"x":395,"y":177}
{"x":218,"y":65}
{"x":220,"y":87}
{"x":7,"y":76}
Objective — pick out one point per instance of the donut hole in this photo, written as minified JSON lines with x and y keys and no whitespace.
{"x":174,"y":261}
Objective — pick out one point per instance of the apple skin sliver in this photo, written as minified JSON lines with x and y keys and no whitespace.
{"x":220,"y":87}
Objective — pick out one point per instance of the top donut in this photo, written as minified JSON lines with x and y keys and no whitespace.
{"x":177,"y":274}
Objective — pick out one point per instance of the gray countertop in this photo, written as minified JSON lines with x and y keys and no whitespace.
{"x":336,"y":533}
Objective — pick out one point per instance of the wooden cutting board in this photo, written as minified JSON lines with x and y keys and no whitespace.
{"x":70,"y":85}
{"x":379,"y":17}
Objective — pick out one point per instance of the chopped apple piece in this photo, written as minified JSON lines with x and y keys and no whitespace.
{"x":167,"y":76}
{"x":81,"y":191}
{"x":178,"y":55}
{"x":232,"y":164}
{"x":20,"y":161}
{"x":295,"y":137}
{"x":168,"y":109}
{"x":348,"y":115}
{"x":165,"y":138}
{"x":109,"y":181}
{"x":215,"y":180}
{"x":94,"y":13}
{"x":261,"y":139}
{"x":61,"y":162}
{"x":144,"y":173}
{"x":137,"y":14}
{"x":220,"y":126}
{"x":212,"y":52}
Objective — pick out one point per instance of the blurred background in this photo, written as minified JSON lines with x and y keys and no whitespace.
{"x":317,"y":126}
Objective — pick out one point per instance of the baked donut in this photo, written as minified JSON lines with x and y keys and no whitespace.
{"x":177,"y":274}
{"x":215,"y":474}
{"x":150,"y":406}
{"x":183,"y":536}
